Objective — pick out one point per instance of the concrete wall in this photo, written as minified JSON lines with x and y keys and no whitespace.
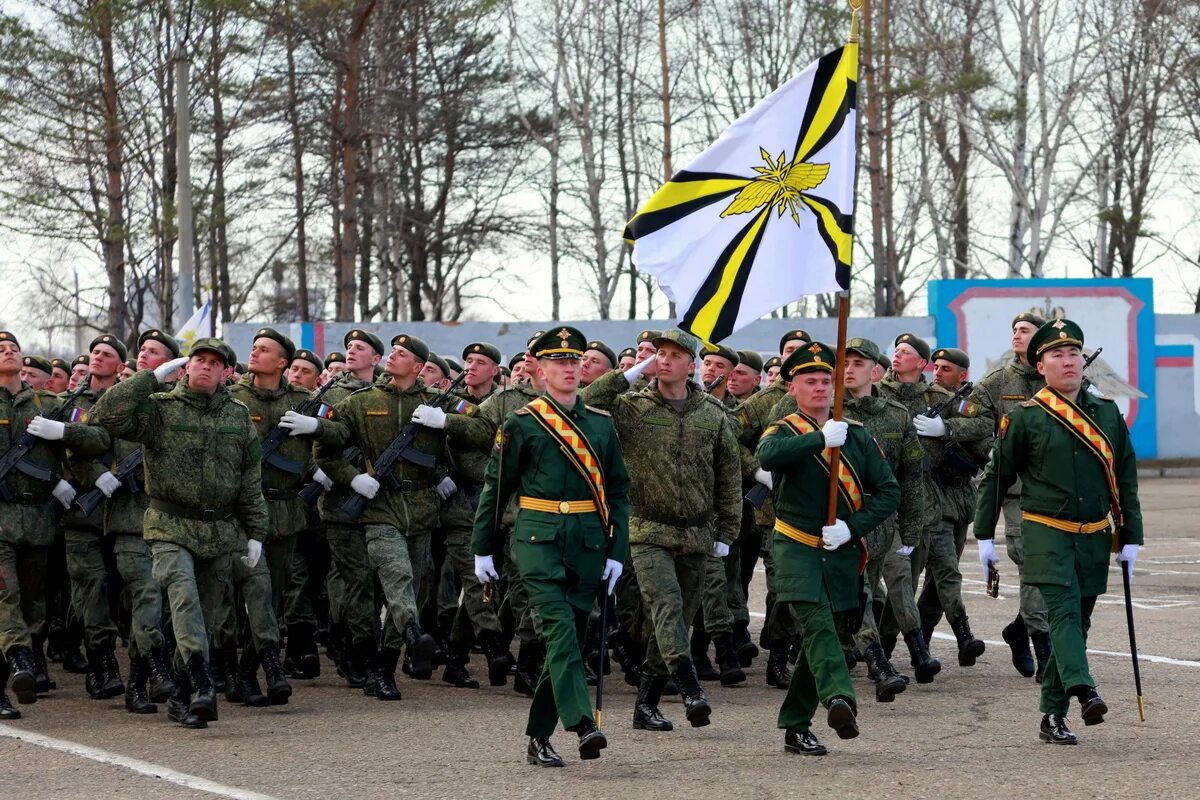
{"x":1176,"y":341}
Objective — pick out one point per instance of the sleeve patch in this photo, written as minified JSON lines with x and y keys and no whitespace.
{"x":913,"y":451}
{"x":1003,"y":426}
{"x":770,"y":430}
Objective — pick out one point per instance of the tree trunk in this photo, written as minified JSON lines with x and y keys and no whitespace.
{"x":114,"y":164}
{"x":220,"y":134}
{"x":297,"y":141}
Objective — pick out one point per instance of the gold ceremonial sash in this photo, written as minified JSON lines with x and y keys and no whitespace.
{"x":557,"y":506}
{"x":578,"y":450}
{"x":1073,"y":418}
{"x":849,"y":486}
{"x":797,"y":535}
{"x":1066,"y":525}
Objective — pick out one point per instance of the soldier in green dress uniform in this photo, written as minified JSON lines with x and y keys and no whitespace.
{"x":817,"y":565}
{"x":1078,"y":472}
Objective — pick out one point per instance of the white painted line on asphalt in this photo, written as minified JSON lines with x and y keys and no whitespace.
{"x":1174,"y":662}
{"x":131,"y":764}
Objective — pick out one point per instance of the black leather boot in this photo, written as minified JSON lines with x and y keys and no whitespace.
{"x":731,"y":673}
{"x":779,"y":672}
{"x":527,"y":668}
{"x":842,"y":719}
{"x":370,"y":662}
{"x":104,"y":678}
{"x":41,"y":672}
{"x":591,"y":740}
{"x":204,"y":704}
{"x":541,"y":753}
{"x":1041,"y":649}
{"x":160,"y":683}
{"x":969,"y":648}
{"x":278,"y":688}
{"x":630,"y":655}
{"x":499,"y":660}
{"x":246,"y":680}
{"x":233,"y":677}
{"x":646,"y":714}
{"x":136,"y":700}
{"x":178,"y":706}
{"x":7,"y":712}
{"x":1016,"y":636}
{"x":804,"y":743}
{"x":456,"y":673}
{"x":221,"y":668}
{"x":1092,"y":707}
{"x":385,"y":686}
{"x":745,"y":647}
{"x":1055,"y":731}
{"x":352,"y":663}
{"x":303,"y":661}
{"x":925,"y":666}
{"x":705,"y":670}
{"x":888,"y":682}
{"x":420,"y":648}
{"x":695,"y":701}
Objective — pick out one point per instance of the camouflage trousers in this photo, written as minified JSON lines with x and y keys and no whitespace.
{"x":304,"y":601}
{"x":671,"y":585}
{"x":723,"y":604}
{"x":929,"y":605}
{"x":401,"y":563}
{"x":22,"y":594}
{"x":252,"y":590}
{"x":194,"y":588}
{"x":351,"y":582}
{"x":136,"y":567}
{"x":88,"y":554}
{"x":900,"y":615}
{"x":471,"y":616}
{"x":1033,"y":607}
{"x":937,"y":558}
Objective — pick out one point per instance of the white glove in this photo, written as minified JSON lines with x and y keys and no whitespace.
{"x":720,"y":549}
{"x":612,"y":573}
{"x":834,"y":432}
{"x":905,"y":550}
{"x":987,"y":556}
{"x":320,"y":477}
{"x":446,"y":488}
{"x":164,"y":371}
{"x":1128,"y":555}
{"x":298,"y":424}
{"x":108,"y":483}
{"x":835,"y":535}
{"x":635,"y":372}
{"x":253,"y":553}
{"x":764,"y":477}
{"x":430,"y":417}
{"x":64,"y":493}
{"x":485,"y":569}
{"x":932,"y":427}
{"x":365,"y":485}
{"x":1094,"y":389}
{"x":46,"y":429}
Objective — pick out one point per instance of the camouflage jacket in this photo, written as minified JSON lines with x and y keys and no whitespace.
{"x":889,"y":423}
{"x":29,"y":519}
{"x":467,"y":466}
{"x":201,"y":453}
{"x":684,"y":473}
{"x":754,"y":414}
{"x":335,"y":434}
{"x":372,"y":418}
{"x":123,"y":512}
{"x":89,"y":453}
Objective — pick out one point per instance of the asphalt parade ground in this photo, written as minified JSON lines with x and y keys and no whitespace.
{"x":970,"y":734}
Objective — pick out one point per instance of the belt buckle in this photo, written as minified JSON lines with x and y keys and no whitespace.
{"x":1079,"y":529}
{"x":564,"y":507}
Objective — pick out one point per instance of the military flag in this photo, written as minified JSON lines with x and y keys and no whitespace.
{"x":198,"y":325}
{"x":764,"y":216}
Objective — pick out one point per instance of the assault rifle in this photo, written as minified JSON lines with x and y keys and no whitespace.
{"x":15,"y":456}
{"x":936,"y":410}
{"x":279,"y":435}
{"x":312,"y":490}
{"x":401,"y":449}
{"x":90,"y":500}
{"x":1087,"y":362}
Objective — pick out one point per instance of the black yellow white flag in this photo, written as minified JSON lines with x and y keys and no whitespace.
{"x":765,"y":215}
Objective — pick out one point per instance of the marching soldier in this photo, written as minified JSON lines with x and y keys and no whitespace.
{"x":335,"y":364}
{"x":79,"y":371}
{"x":36,"y":371}
{"x":597,"y":360}
{"x":1079,"y":494}
{"x":745,"y":378}
{"x":771,"y":369}
{"x":60,"y":376}
{"x":817,"y":575}
{"x":482,"y":363}
{"x":626,"y":358}
{"x":717,"y":364}
{"x":563,"y":461}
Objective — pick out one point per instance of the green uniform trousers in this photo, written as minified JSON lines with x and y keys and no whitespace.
{"x":937,"y":557}
{"x":929,"y":604}
{"x":303,"y":602}
{"x":22,"y":594}
{"x":1070,"y":617}
{"x":671,"y":585}
{"x":888,"y":580}
{"x":88,"y":552}
{"x":470,"y":616}
{"x":779,"y":627}
{"x":194,"y":588}
{"x":516,"y":610}
{"x":900,"y":615}
{"x":561,"y":691}
{"x":136,"y":567}
{"x":400,"y":563}
{"x":714,"y":596}
{"x":351,"y":582}
{"x":820,"y":672}
{"x":1033,"y":607}
{"x":249,"y":589}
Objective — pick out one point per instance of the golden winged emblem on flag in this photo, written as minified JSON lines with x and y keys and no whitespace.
{"x":780,"y":186}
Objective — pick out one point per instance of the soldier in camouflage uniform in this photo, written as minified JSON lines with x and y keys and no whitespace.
{"x":995,"y":396}
{"x":36,"y":371}
{"x":205,"y":485}
{"x":60,"y":376}
{"x":398,"y":522}
{"x":597,"y":360}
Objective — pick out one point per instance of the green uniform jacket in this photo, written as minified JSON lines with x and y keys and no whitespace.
{"x":467,"y":466}
{"x":561,"y":548}
{"x":88,"y":455}
{"x":753,"y":416}
{"x":372,"y":418}
{"x":803,"y":573}
{"x":124,"y":511}
{"x":1060,"y":478}
{"x":201,"y":452}
{"x":29,"y":520}
{"x":332,"y":435}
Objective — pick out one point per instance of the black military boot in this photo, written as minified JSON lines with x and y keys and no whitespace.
{"x":303,"y":660}
{"x":969,"y":648}
{"x":1041,"y":649}
{"x":233,"y":681}
{"x":204,"y":704}
{"x":1092,"y":707}
{"x":220,"y":667}
{"x":278,"y":688}
{"x":629,"y":655}
{"x":591,"y":740}
{"x":1055,"y":731}
{"x":1016,"y":636}
{"x":370,"y":673}
{"x":41,"y":672}
{"x":160,"y":685}
{"x":385,"y":687}
{"x":927,"y":628}
{"x":745,"y":647}
{"x":646,"y":714}
{"x":804,"y":743}
{"x":541,"y":753}
{"x":7,"y":712}
{"x":419,"y":647}
{"x":695,"y":701}
{"x":888,"y":682}
{"x":178,"y":706}
{"x":779,"y":672}
{"x":705,"y":670}
{"x":499,"y":660}
{"x":455,"y":673}
{"x":842,"y":719}
{"x":924,"y":665}
{"x":104,"y":678}
{"x":136,"y":700}
{"x":731,"y":673}
{"x":246,"y":680}
{"x":527,"y":668}
{"x":352,"y":662}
